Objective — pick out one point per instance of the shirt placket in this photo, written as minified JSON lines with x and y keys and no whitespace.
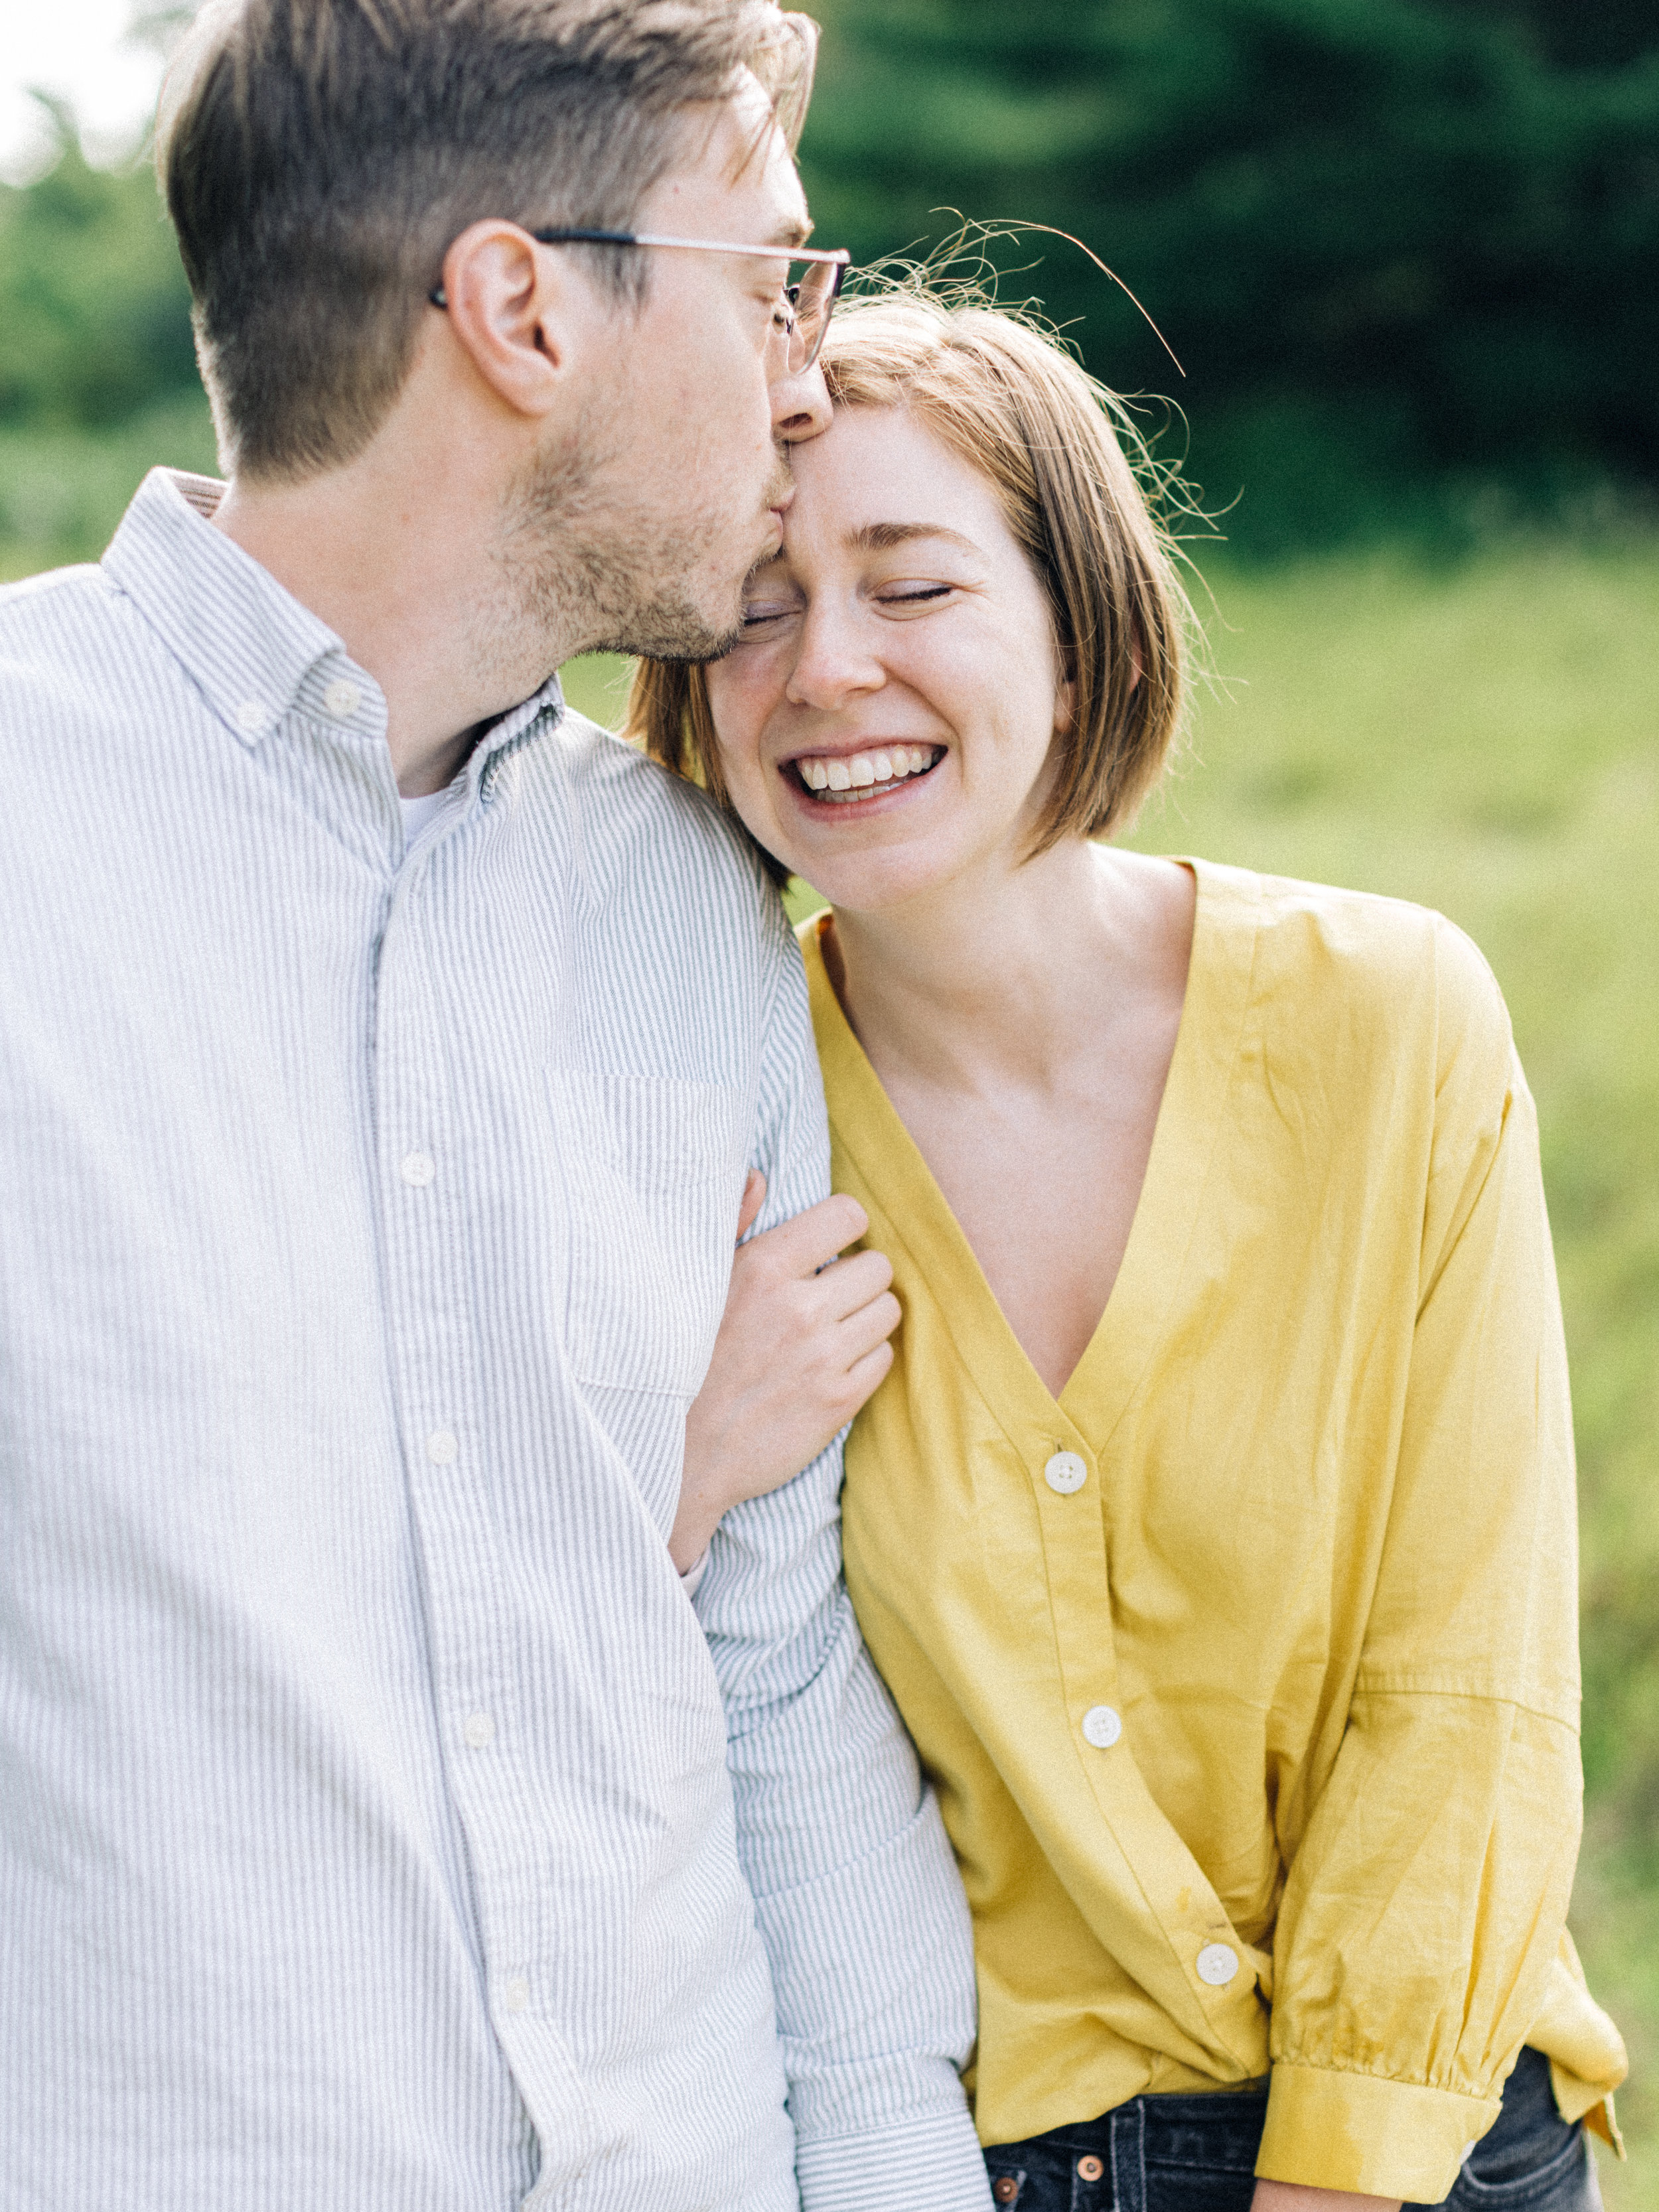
{"x":425,"y":1178}
{"x":1217,"y":1984}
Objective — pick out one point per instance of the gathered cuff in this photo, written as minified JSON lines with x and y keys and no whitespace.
{"x":1329,"y":2129}
{"x":932,"y":2163}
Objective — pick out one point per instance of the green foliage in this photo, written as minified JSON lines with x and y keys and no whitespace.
{"x":1407,"y":250}
{"x":1403,"y":250}
{"x":95,"y":312}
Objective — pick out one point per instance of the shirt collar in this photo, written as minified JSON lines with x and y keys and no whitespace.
{"x":251,"y":649}
{"x":246,"y":644}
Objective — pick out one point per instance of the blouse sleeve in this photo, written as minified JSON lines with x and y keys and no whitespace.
{"x":1425,"y":1909}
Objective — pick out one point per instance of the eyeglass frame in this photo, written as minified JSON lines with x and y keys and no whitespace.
{"x":836,"y":257}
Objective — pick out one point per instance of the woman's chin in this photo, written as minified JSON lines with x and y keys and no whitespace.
{"x":871,"y":883}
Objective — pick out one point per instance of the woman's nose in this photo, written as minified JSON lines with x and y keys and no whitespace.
{"x":833,"y":663}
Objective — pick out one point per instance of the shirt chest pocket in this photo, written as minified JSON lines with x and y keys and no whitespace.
{"x":653,"y":1169}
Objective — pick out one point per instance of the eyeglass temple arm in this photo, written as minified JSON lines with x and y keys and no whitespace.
{"x":838,"y":256}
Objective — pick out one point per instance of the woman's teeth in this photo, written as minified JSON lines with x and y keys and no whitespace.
{"x":860,"y":772}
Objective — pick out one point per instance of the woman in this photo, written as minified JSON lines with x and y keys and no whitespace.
{"x":1213,"y":1527}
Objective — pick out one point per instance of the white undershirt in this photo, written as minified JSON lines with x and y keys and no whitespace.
{"x":417,"y":812}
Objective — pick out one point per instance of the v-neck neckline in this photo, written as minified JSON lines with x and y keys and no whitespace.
{"x":1190,"y":1119}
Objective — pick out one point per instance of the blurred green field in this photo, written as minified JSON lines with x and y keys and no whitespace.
{"x":1486,"y":740}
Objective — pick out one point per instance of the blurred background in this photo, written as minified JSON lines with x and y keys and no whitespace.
{"x":1408,"y":258}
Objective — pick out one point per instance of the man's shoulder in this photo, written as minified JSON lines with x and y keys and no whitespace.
{"x":631,"y":811}
{"x":59,"y":633}
{"x":39,"y":612}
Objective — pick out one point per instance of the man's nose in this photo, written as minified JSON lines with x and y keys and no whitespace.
{"x":801,"y":406}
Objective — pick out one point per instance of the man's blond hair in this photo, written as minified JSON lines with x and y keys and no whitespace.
{"x":320,"y":156}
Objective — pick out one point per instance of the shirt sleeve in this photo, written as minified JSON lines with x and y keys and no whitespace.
{"x":1422,"y":1918}
{"x":859,"y":1904}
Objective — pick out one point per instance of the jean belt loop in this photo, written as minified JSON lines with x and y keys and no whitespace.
{"x":1129,"y":2156}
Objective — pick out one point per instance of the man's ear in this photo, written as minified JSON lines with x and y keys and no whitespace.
{"x":509,"y":308}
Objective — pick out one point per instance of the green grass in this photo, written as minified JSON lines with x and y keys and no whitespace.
{"x":61,"y":493}
{"x":1486,"y":740}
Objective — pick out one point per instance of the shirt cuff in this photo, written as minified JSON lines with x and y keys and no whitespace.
{"x":932,"y":2164}
{"x":1361,"y":2132}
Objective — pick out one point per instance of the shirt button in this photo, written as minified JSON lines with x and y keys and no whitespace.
{"x":1101,"y":1727}
{"x":342,"y":699}
{"x":443,"y":1448}
{"x":418,"y":1168}
{"x":1088,"y":2167}
{"x":516,"y":1995}
{"x":480,"y":1729}
{"x":1217,"y":1964}
{"x":1066,"y":1473}
{"x":252,"y":717}
{"x":1005,"y":2189}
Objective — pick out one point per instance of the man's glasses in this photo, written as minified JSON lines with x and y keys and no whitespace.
{"x":803,"y":314}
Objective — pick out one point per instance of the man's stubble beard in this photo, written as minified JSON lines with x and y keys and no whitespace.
{"x":585,"y":562}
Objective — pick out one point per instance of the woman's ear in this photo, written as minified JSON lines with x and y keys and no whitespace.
{"x":1065,"y":706}
{"x":1137,"y":655}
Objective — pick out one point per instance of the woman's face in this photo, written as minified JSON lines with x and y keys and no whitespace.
{"x":886,"y":722}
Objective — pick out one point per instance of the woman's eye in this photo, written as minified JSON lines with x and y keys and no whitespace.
{"x":915,"y":596}
{"x":756,"y":618}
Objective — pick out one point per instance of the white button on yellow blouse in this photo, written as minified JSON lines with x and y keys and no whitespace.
{"x":1217,"y":1965}
{"x":1066,"y":1473}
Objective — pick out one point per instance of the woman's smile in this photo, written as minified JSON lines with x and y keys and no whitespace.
{"x":854,"y":779}
{"x":886,"y":717}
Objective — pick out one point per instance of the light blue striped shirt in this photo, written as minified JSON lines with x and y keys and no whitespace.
{"x":372,"y":1835}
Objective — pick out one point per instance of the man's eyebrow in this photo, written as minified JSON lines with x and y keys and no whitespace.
{"x":882,"y":537}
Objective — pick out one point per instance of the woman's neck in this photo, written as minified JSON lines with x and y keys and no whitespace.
{"x":1023,"y":1037}
{"x":986,"y":984}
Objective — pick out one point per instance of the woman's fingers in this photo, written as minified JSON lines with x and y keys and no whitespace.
{"x":754,"y":1197}
{"x":851,"y":1284}
{"x":799,"y":1247}
{"x":864,"y":1377}
{"x":870,"y":1325}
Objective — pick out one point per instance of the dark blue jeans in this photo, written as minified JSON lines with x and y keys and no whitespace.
{"x":1198,"y":2154}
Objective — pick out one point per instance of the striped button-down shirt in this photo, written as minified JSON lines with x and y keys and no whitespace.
{"x":379,"y":1826}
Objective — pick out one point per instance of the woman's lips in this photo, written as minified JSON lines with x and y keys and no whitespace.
{"x":838,"y":777}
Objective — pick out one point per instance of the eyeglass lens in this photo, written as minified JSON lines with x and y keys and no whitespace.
{"x":811,"y":300}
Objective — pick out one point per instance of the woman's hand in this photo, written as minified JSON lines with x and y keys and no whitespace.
{"x":1292,"y":2197}
{"x":798,"y":1353}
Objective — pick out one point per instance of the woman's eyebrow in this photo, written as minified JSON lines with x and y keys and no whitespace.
{"x":882,"y":537}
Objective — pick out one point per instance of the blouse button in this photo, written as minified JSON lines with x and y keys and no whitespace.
{"x":1217,"y":1964}
{"x":1065,"y":1473}
{"x":1103,"y":1728}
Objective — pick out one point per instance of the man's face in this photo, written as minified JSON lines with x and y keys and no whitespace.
{"x":673,"y":485}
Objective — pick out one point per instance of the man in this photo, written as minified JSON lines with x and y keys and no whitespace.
{"x":384,"y":1050}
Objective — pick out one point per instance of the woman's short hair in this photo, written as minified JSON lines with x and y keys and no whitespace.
{"x":1012,"y":402}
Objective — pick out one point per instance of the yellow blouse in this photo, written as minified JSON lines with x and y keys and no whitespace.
{"x":1246,"y":1670}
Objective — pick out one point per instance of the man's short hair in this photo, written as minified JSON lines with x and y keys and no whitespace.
{"x":1008,"y":398}
{"x":319,"y":156}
